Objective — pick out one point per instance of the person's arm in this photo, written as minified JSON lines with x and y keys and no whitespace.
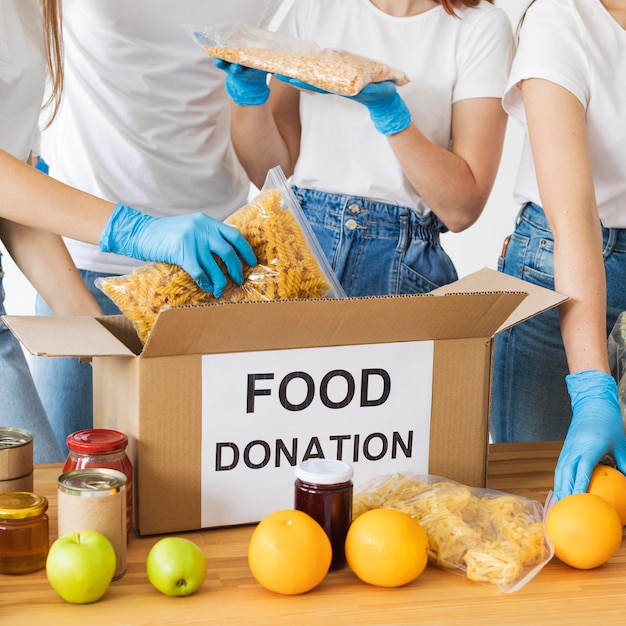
{"x":45,"y":262}
{"x":557,"y":132}
{"x":456,"y":183}
{"x":268,"y":134}
{"x":192,"y":241}
{"x":558,"y":137}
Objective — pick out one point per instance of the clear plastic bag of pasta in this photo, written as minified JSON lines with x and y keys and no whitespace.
{"x":291,"y":265}
{"x":330,"y":69}
{"x":617,"y":357}
{"x":484,"y":535}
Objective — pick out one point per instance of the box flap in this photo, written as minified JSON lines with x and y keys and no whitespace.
{"x":487,"y":280}
{"x":65,"y":336}
{"x":251,"y":326}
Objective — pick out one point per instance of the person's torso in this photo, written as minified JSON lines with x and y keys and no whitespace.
{"x":580,"y":46}
{"x":145,"y":118}
{"x":22,"y":74}
{"x":340,"y":150}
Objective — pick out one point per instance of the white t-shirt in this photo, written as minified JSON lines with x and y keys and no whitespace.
{"x":447,"y":59}
{"x":22,"y":74}
{"x":145,"y":118}
{"x":577,"y":44}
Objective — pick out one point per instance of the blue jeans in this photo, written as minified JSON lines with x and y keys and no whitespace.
{"x":20,"y":406}
{"x":65,"y":384}
{"x":529,"y":397}
{"x":377,"y":248}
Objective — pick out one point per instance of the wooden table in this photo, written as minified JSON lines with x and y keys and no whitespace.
{"x":558,"y":595}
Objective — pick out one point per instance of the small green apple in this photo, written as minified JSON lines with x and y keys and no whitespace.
{"x":176,"y":566}
{"x":80,"y":566}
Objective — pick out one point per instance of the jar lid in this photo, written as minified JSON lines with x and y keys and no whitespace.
{"x":97,"y":440}
{"x":324,"y":471}
{"x":21,"y":505}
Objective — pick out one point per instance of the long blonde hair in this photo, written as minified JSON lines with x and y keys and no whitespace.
{"x":53,"y":40}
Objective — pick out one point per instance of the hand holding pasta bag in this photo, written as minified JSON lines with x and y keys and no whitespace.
{"x":386,"y":107}
{"x":189,"y":241}
{"x":245,"y":85}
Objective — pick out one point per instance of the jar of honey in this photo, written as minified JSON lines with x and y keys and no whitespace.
{"x":23,"y":532}
{"x":101,"y":447}
{"x":323,"y":489}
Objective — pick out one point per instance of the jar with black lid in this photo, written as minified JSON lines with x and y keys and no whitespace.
{"x":323,"y":489}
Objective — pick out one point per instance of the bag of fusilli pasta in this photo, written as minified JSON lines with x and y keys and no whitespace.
{"x":484,"y":535}
{"x":291,"y":265}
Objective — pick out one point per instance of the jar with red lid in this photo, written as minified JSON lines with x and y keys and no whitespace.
{"x":102,"y":447}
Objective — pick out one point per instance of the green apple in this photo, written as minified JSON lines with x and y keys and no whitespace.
{"x":176,"y":566}
{"x":80,"y":566}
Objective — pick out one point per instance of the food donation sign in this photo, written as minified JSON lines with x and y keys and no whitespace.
{"x":264,"y":412}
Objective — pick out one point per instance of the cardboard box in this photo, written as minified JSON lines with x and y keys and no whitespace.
{"x":223,"y":400}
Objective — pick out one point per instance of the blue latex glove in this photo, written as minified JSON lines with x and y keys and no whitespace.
{"x":186,"y":240}
{"x":385,"y":105}
{"x":245,"y":85}
{"x":596,"y":429}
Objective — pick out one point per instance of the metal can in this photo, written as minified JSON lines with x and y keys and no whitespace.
{"x":95,"y":499}
{"x":102,"y":447}
{"x":16,"y":456}
{"x":323,"y":489}
{"x":23,"y":532}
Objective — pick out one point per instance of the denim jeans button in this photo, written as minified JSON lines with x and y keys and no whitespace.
{"x":354,"y":209}
{"x":351,"y":224}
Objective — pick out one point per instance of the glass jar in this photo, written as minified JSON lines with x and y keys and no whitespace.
{"x":323,"y":489}
{"x":101,"y":447}
{"x":23,"y":532}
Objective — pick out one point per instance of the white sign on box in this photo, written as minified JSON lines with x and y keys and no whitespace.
{"x":264,"y":412}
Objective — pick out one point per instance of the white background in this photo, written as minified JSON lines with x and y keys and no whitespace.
{"x":477,"y":247}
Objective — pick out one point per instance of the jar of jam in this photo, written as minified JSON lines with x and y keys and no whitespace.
{"x":101,"y":447}
{"x":23,"y":532}
{"x":323,"y":489}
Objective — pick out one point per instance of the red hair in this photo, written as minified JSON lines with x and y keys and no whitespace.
{"x":450,"y":5}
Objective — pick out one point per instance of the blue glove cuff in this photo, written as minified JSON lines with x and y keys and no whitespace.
{"x":592,"y":382}
{"x":118,"y":233}
{"x":391,"y":115}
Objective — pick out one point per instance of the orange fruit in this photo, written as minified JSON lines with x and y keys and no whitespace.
{"x":609,"y":483}
{"x":289,"y":552}
{"x":386,"y":547}
{"x":585,"y":529}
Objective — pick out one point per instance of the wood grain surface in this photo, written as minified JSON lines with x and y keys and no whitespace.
{"x":557,"y":595}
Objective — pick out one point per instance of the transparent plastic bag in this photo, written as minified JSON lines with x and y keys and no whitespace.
{"x":617,"y":357}
{"x":484,"y":535}
{"x":330,"y":69}
{"x":291,"y":265}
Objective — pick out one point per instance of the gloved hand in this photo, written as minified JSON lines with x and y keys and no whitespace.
{"x":596,"y":429}
{"x":385,"y":105}
{"x":245,"y":85}
{"x":186,"y":240}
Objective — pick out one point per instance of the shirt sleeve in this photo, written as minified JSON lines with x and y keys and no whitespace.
{"x":550,"y":47}
{"x":485,"y":56}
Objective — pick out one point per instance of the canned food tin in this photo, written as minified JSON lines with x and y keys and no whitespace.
{"x":95,"y":499}
{"x":16,"y":453}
